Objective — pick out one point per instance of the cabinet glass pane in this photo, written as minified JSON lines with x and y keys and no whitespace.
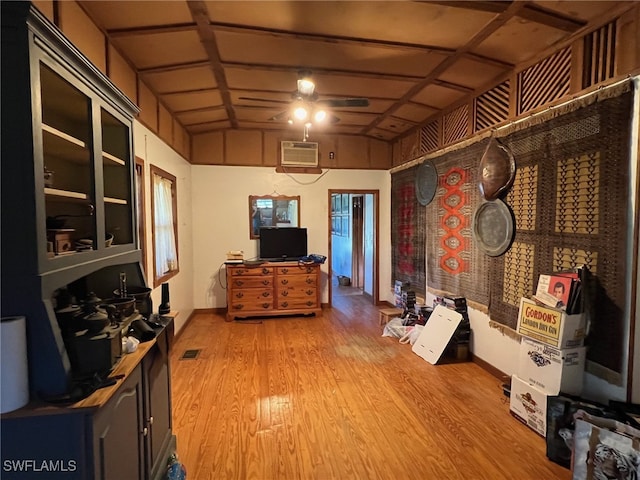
{"x":117,"y":179}
{"x":67,"y":157}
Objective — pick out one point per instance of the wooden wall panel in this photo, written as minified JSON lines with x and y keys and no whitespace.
{"x":148,"y":104}
{"x":628,"y":56}
{"x":396,"y":154}
{"x":353,"y":152}
{"x":326,"y":145}
{"x":178,"y":137}
{"x":121,"y":73}
{"x":208,"y":148}
{"x":271,"y":148}
{"x":379,"y":154}
{"x":83,"y":33}
{"x":255,"y":148}
{"x":243,"y":147}
{"x":45,"y":7}
{"x":165,"y":124}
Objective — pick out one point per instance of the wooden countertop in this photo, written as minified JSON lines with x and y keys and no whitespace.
{"x":97,"y":399}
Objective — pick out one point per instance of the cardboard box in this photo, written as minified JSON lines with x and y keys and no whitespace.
{"x":551,"y":369}
{"x":550,"y":325}
{"x":529,"y":405}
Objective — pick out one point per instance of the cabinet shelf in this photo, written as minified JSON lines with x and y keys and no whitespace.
{"x":115,"y":201}
{"x":113,"y":159}
{"x":65,"y":194}
{"x":59,"y":144}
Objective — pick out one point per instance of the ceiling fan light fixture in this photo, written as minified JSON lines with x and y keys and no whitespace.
{"x":306,"y":86}
{"x":320,"y":116}
{"x":300,"y":113}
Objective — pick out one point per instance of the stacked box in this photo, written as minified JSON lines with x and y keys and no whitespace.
{"x":551,"y":369}
{"x":528,"y":404}
{"x":551,"y":361}
{"x":458,"y":347}
{"x":398,"y":288}
{"x":550,"y":325}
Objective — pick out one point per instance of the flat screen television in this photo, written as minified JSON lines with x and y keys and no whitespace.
{"x":283,"y":243}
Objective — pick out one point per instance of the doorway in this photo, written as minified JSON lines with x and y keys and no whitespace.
{"x":353,"y":243}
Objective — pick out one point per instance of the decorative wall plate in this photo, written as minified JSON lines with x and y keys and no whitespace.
{"x":497,"y":170}
{"x":493,"y":227}
{"x":426,"y":182}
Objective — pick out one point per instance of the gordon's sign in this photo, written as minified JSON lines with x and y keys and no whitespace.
{"x":550,"y":325}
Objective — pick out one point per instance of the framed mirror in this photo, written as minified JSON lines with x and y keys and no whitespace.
{"x":272,"y":211}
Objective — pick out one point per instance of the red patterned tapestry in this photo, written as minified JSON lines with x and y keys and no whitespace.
{"x":408,"y":232}
{"x":454,"y":265}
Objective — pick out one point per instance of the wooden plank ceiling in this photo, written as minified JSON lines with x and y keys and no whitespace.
{"x":203,"y":59}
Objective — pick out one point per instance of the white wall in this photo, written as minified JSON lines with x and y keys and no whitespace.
{"x":155,"y":152}
{"x":221,"y":213}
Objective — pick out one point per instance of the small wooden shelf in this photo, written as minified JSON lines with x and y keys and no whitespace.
{"x":116,"y":201}
{"x":62,"y":135}
{"x":59,"y":144}
{"x":65,"y":194}
{"x":113,"y":159}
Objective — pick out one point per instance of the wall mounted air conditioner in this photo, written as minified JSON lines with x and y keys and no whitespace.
{"x":299,"y":154}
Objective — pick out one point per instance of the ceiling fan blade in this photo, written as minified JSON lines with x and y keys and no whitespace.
{"x":279,"y":116}
{"x":254,"y":99}
{"x":345,"y":102}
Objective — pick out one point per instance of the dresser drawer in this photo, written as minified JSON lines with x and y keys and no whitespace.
{"x":296,"y":303}
{"x":251,"y":305}
{"x":299,"y":269}
{"x":251,"y":282}
{"x":243,"y":272}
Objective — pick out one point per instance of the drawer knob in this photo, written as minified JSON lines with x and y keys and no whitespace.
{"x":239,"y":283}
{"x":285,"y":304}
{"x":265,"y":294}
{"x":309,"y":280}
{"x":309,"y":303}
{"x":265,"y":282}
{"x":238,"y":306}
{"x":239,"y":295}
{"x":285,"y":293}
{"x":284,"y":282}
{"x":266,"y":305}
{"x":285,"y":270}
{"x":310,"y":292}
{"x":265,"y":271}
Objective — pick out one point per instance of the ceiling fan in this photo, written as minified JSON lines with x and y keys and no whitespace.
{"x":306,"y":106}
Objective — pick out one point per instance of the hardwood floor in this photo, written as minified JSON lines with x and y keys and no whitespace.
{"x":329,"y":397}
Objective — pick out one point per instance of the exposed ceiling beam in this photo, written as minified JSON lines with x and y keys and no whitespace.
{"x":200,"y":15}
{"x":151,"y":30}
{"x":334,"y":39}
{"x":529,"y":11}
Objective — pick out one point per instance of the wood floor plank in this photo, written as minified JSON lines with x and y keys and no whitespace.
{"x":328,"y":397}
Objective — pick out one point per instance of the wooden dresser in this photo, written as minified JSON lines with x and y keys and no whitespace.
{"x":268,"y":289}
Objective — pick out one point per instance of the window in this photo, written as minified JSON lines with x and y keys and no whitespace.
{"x":340,"y":214}
{"x":164,"y":228}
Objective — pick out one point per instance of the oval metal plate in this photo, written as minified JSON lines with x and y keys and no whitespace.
{"x":497,"y":170}
{"x":426,"y":182}
{"x":493,"y":227}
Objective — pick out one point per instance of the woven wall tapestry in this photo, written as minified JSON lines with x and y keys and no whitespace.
{"x":454,"y":265}
{"x":570,"y":201}
{"x":408,"y":232}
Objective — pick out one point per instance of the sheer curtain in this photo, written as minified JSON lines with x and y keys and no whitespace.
{"x":165,"y":241}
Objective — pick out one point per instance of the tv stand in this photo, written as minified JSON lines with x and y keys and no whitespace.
{"x":272,"y":289}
